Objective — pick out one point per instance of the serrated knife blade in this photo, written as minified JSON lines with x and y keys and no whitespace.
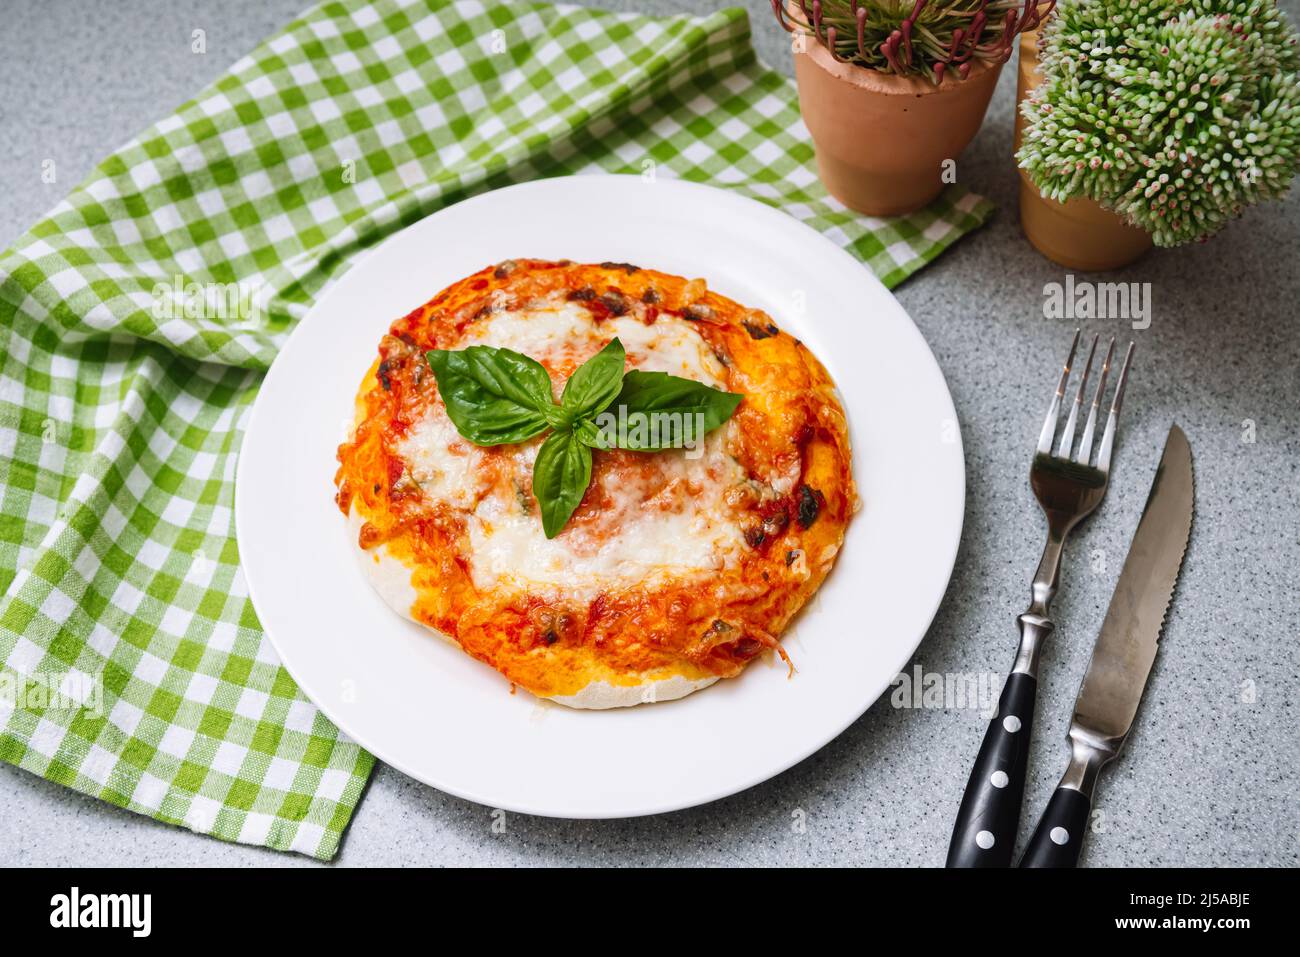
{"x":1123,"y":656}
{"x":1130,"y":632}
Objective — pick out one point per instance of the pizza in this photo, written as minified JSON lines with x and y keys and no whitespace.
{"x":675,"y":567}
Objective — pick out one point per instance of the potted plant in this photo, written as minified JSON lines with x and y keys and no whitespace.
{"x":1153,"y":121}
{"x":891,"y":89}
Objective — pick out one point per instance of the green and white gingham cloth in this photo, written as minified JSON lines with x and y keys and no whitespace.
{"x":132,"y":664}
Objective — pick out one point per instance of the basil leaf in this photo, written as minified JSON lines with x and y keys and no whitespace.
{"x":595,"y":383}
{"x":658,"y":411}
{"x":590,"y":434}
{"x":493,"y":396}
{"x":561,"y":475}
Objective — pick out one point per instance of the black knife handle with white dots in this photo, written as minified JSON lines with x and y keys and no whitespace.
{"x":1059,"y":836}
{"x":990,"y":809}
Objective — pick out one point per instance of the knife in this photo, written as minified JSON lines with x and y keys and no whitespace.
{"x":1122,"y":659}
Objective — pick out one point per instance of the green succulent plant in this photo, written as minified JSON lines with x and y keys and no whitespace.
{"x":928,"y":38}
{"x":1177,"y":114}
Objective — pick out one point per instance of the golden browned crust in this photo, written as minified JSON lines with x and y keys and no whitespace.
{"x":789,"y":434}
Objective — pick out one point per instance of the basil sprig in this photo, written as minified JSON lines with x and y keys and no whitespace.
{"x":500,"y":397}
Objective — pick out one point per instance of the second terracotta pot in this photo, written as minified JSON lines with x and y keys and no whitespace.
{"x":1079,"y":233}
{"x":882,"y":140}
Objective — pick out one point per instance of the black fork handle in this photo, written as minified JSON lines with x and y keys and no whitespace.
{"x":985,"y":832}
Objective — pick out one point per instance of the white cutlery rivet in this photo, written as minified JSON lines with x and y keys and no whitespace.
{"x":1011,"y":723}
{"x":984,"y":839}
{"x":999,"y":779}
{"x":1060,"y":835}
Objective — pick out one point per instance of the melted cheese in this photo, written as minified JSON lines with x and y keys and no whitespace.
{"x":562,"y":335}
{"x":654,"y":516}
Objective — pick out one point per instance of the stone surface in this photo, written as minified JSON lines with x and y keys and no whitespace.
{"x":1210,"y":773}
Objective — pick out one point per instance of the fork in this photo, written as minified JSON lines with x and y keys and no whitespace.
{"x":1069,"y":489}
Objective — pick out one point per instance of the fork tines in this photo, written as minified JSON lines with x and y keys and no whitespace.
{"x":1083,"y":452}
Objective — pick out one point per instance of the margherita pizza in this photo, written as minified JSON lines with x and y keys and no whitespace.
{"x":676,"y":567}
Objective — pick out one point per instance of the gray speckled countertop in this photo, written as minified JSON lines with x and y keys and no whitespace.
{"x":1210,"y":776}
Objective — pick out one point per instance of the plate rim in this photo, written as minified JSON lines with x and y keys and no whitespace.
{"x":828,"y":248}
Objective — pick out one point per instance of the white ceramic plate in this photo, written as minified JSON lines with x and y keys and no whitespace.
{"x":434,"y":713}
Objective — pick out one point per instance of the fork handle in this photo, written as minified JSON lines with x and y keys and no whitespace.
{"x":989,"y":816}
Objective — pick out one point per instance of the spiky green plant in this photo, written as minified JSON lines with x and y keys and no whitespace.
{"x":1177,"y":114}
{"x":914,"y":37}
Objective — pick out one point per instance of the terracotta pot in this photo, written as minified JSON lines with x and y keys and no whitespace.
{"x":1079,"y":233}
{"x":882,"y":139}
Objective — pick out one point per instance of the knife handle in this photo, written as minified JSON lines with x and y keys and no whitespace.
{"x":989,"y":816}
{"x":1059,"y":836}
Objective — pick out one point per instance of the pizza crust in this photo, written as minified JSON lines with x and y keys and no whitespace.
{"x":601,"y":694}
{"x":388,"y":576}
{"x":392,"y":580}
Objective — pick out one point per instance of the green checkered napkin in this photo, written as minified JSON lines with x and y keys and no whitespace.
{"x":133,"y":664}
